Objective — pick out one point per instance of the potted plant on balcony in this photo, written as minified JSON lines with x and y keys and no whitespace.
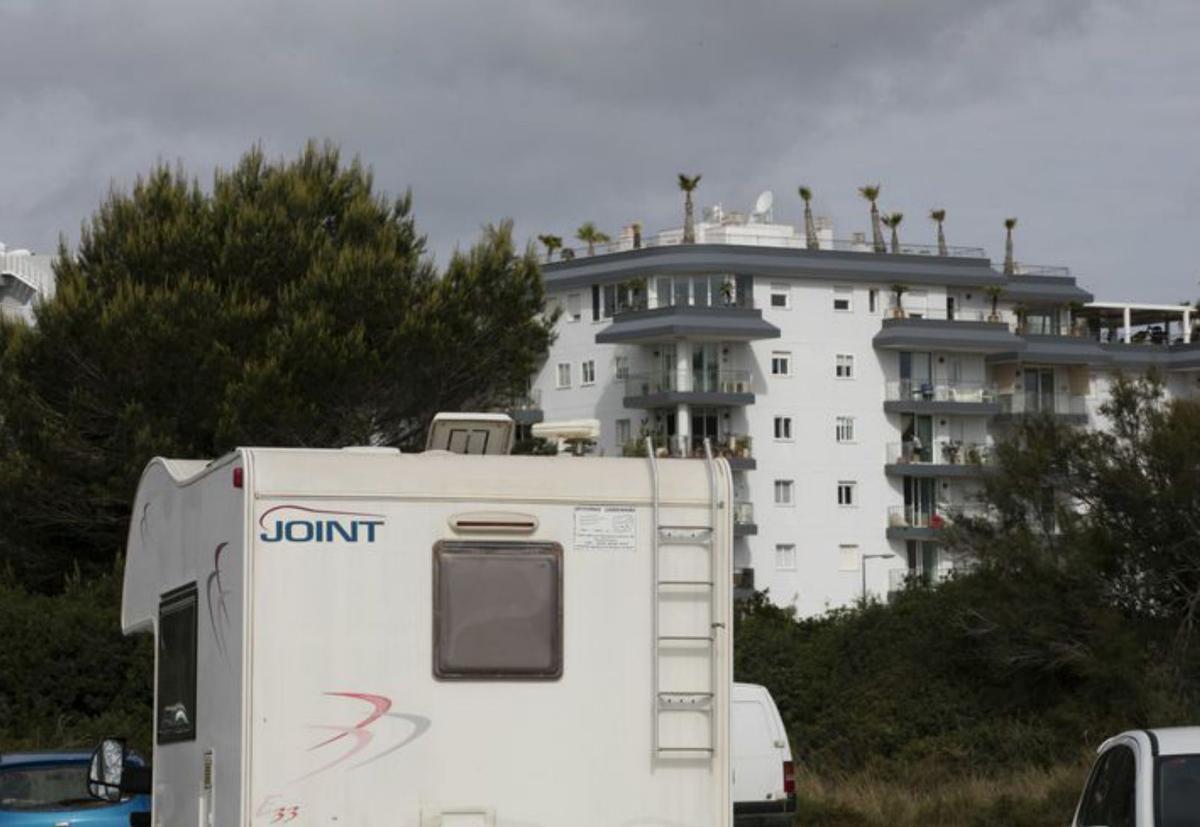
{"x":898,"y":291}
{"x":744,"y":446}
{"x":1022,"y":313}
{"x":994,"y":292}
{"x":950,"y":451}
{"x":728,"y":292}
{"x":974,"y":455}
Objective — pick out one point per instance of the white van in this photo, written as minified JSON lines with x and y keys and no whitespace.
{"x":764,"y":786}
{"x":365,"y":638}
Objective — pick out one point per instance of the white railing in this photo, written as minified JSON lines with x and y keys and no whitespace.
{"x":934,"y":390}
{"x":743,"y":513}
{"x":1033,"y":402}
{"x":941,"y":516}
{"x":941,"y":452}
{"x":715,"y":381}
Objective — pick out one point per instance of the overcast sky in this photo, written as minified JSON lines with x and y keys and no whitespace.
{"x":1080,"y":117}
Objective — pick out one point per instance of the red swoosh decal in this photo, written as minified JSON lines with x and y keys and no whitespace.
{"x":361,"y":739}
{"x":380,"y":706}
{"x":263,"y":516}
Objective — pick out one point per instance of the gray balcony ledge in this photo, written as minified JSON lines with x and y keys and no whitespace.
{"x":661,"y":324}
{"x":942,"y":334}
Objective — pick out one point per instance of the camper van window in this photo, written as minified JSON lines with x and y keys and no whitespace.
{"x":497,"y":611}
{"x":177,"y":666}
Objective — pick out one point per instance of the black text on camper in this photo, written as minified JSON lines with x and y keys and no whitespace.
{"x":297,"y":524}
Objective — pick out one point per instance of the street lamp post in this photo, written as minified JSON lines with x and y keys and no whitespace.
{"x":862,"y":564}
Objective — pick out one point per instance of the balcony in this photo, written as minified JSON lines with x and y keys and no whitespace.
{"x":732,"y":318}
{"x":963,"y":331}
{"x":944,"y":458}
{"x":743,"y":519}
{"x":660,"y":389}
{"x":927,"y":396}
{"x":908,"y":522}
{"x":734,"y":448}
{"x":1067,"y":406}
{"x":743,"y":584}
{"x":525,"y":409}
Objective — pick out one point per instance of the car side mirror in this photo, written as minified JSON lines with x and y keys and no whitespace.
{"x":107,"y":770}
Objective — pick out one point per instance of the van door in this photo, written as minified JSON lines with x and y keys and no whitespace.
{"x":758,"y":762}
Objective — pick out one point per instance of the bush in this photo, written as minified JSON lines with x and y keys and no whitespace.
{"x":68,"y":677}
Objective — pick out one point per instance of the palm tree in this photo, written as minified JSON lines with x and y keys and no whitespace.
{"x":1010,"y":266}
{"x":939,"y":215}
{"x":898,"y":290}
{"x":688,"y":185}
{"x":871,"y":193}
{"x":589,"y":235}
{"x":994,"y":292}
{"x":552,"y":242}
{"x":810,"y":227}
{"x":892,"y":222}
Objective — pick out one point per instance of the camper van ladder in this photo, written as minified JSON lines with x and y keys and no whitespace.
{"x":685,"y":625}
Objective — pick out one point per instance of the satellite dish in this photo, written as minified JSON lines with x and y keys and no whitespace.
{"x":766,"y":200}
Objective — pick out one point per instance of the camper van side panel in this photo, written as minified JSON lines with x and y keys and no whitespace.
{"x":358,"y":720}
{"x":197,"y":531}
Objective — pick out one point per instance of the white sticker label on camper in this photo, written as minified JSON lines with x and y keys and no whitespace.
{"x":605,"y":528}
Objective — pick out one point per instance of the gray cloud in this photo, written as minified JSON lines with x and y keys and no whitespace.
{"x":1075,"y":115}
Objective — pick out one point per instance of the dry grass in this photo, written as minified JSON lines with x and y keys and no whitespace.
{"x":1025,"y":798}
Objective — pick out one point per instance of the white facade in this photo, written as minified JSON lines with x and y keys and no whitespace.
{"x":25,"y":279}
{"x":869,"y":433}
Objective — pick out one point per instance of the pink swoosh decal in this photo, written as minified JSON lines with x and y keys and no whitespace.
{"x":361,"y":739}
{"x":380,"y":706}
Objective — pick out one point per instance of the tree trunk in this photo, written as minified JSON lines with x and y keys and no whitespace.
{"x":895,"y":240}
{"x":1009,"y":264}
{"x":942,"y":249}
{"x":810,"y":228}
{"x":689,"y":221}
{"x":877,"y":230}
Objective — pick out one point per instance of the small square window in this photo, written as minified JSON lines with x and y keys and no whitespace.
{"x":845,"y":429}
{"x":497,"y":611}
{"x":846,"y":493}
{"x":783,"y":427}
{"x":564,"y":374}
{"x":624,"y":432}
{"x":781,"y":363}
{"x":785,"y":556}
{"x":783,"y":492}
{"x":587,"y":372}
{"x":845,"y":366}
{"x":781,"y":296}
{"x":621,"y":367}
{"x":873,"y":300}
{"x":843,"y":299}
{"x":848,"y":559}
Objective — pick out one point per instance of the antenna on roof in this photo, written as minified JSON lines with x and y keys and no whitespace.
{"x":762,"y":206}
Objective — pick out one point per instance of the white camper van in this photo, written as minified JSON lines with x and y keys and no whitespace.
{"x":363,"y":638}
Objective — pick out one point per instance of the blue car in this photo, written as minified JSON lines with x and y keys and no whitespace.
{"x":49,"y":789}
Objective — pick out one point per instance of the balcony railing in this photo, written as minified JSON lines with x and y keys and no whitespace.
{"x":1034,"y":402}
{"x":942,"y":452}
{"x":642,"y":303}
{"x":732,"y":234}
{"x":730,"y":446}
{"x":900,"y":579}
{"x":929,"y":390}
{"x":941,"y":516}
{"x":941,"y":314}
{"x":530,"y":401}
{"x":743,"y":513}
{"x":711,"y":381}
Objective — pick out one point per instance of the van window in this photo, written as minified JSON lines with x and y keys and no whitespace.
{"x":176,"y":715}
{"x":497,"y":611}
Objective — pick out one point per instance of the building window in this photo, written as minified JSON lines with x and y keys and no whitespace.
{"x":845,"y":429}
{"x":872,"y":299}
{"x":477,"y":633}
{"x":781,"y":363}
{"x":845,"y":366}
{"x":848,"y":559}
{"x":564,"y":374}
{"x":177,"y":666}
{"x":846,"y":493}
{"x":587,"y":372}
{"x":783,"y":492}
{"x":621,"y":367}
{"x":785,"y":556}
{"x":783,"y":427}
{"x":781,"y":296}
{"x":624,"y":433}
{"x":842,"y":299}
{"x":574,"y":307}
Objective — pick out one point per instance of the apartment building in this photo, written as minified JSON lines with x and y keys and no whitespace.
{"x":25,"y":279}
{"x":856,"y":394}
